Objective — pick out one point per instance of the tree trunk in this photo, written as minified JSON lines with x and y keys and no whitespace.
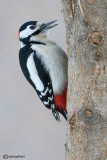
{"x":86,"y":35}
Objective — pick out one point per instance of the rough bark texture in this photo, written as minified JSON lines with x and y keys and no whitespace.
{"x":86,"y":34}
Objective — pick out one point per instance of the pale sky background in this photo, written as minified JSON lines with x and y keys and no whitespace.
{"x":26,"y":126}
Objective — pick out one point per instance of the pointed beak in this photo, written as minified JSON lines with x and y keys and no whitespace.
{"x":46,"y":26}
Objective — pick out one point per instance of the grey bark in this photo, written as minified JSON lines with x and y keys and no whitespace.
{"x":86,"y":36}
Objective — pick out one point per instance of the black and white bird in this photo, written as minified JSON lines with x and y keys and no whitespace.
{"x":44,"y":64}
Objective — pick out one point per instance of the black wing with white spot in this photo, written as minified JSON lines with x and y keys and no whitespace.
{"x":38,"y":77}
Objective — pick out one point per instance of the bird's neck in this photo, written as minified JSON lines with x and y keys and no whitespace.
{"x":41,"y":40}
{"x":30,"y":43}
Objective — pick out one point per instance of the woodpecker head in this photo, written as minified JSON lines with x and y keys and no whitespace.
{"x":34,"y":29}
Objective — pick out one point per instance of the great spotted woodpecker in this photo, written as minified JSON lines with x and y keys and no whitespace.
{"x":44,"y":64}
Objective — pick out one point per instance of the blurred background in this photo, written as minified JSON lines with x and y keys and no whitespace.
{"x":26,"y":126}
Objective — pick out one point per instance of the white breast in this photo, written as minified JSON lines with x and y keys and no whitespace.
{"x":55,"y":61}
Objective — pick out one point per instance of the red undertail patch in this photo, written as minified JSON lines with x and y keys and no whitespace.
{"x":60,"y":100}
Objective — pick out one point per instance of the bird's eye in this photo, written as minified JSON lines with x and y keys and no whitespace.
{"x":32,"y":27}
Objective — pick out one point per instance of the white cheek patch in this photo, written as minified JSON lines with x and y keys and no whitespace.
{"x":25,"y":33}
{"x":34,"y":73}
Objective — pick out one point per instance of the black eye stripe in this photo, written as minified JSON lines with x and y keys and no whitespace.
{"x":32,"y":27}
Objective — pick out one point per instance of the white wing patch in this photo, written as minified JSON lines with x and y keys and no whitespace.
{"x":34,"y":73}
